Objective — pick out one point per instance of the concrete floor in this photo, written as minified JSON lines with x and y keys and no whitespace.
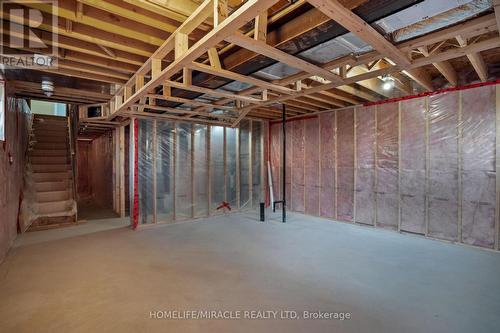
{"x":110,"y":280}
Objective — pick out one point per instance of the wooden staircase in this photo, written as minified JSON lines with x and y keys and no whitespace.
{"x":51,"y":175}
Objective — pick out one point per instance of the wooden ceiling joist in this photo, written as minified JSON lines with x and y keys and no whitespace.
{"x":345,"y":17}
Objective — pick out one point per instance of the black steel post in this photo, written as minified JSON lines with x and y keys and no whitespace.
{"x":262,"y":210}
{"x":283,"y":204}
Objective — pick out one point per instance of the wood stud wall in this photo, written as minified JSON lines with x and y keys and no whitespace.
{"x":412,"y":175}
{"x":173,"y":146}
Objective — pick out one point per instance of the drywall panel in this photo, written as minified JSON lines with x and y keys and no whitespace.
{"x":345,"y":165}
{"x":298,"y":141}
{"x":365,"y":164}
{"x":327,"y":164}
{"x":312,"y":173}
{"x":478,"y":166}
{"x":443,"y":165}
{"x":412,"y":168}
{"x":387,"y":165}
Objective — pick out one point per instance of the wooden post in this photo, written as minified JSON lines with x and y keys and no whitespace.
{"x":427,"y":165}
{"x":224,"y":147}
{"x":155,"y":154}
{"x":399,"y":164}
{"x":497,"y":215}
{"x":121,"y":131}
{"x":375,"y":170}
{"x":174,"y":171}
{"x":459,"y":169}
{"x":335,"y":190}
{"x":250,"y":164}
{"x":209,"y":166}
{"x":355,"y":169}
{"x":238,"y":185}
{"x":193,"y":188}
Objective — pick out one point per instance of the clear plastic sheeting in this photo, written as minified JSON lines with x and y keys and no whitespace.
{"x":423,"y":165}
{"x":164,"y":171}
{"x":187,"y":170}
{"x":145,"y":165}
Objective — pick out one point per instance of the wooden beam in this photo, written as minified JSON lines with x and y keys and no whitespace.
{"x":446,"y":55}
{"x":260,"y":47}
{"x":496,"y":6}
{"x":340,"y":14}
{"x":476,"y":61}
{"x":240,"y":16}
{"x":189,"y":102}
{"x":444,"y":67}
{"x":238,"y":77}
{"x":211,"y":92}
{"x":86,"y":33}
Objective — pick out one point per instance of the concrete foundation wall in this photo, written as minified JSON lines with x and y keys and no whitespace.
{"x":423,"y":165}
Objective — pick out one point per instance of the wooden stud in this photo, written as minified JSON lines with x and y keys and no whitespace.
{"x":427,"y":165}
{"x":155,"y":180}
{"x":121,"y":135}
{"x":260,"y":31}
{"x":459,"y":164}
{"x":224,"y":148}
{"x":174,"y":171}
{"x":238,"y":177}
{"x":250,"y":164}
{"x":375,"y":145}
{"x":214,"y":59}
{"x":181,"y":45}
{"x":399,"y":164}
{"x":193,"y":187}
{"x":355,"y":169}
{"x":335,"y":195}
{"x":155,"y":67}
{"x":209,"y":166}
{"x":497,"y":150}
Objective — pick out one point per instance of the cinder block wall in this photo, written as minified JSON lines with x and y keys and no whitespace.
{"x":424,"y":165}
